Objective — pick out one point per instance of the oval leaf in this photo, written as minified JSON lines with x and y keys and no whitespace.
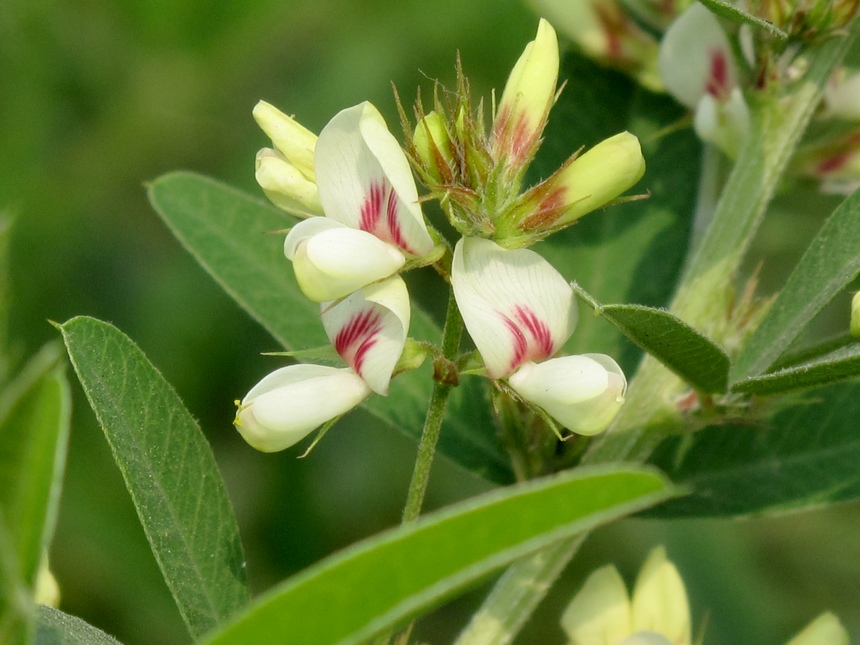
{"x":169,"y":471}
{"x":224,"y":228}
{"x":840,"y":365}
{"x":685,"y":351}
{"x":806,"y":457}
{"x":829,"y":264}
{"x":34,"y":427}
{"x":55,"y":627}
{"x":376,"y":584}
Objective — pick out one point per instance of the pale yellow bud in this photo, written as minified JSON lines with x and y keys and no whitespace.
{"x":292,"y":140}
{"x":824,"y":630}
{"x":660,"y":600}
{"x":434,"y":146}
{"x":600,"y":611}
{"x":284,"y":185}
{"x":597,"y":177}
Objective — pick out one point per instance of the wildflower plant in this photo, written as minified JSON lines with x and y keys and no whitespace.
{"x":602,"y":352}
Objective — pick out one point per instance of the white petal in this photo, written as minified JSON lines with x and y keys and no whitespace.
{"x":516,"y":306}
{"x":365,"y":181}
{"x":659,"y":601}
{"x":696,"y":58}
{"x":723,"y":123}
{"x":842,"y":95}
{"x":600,"y":612}
{"x":583,"y":393}
{"x":289,"y":403}
{"x":368,"y":329}
{"x":646,"y":638}
{"x":331,"y":260}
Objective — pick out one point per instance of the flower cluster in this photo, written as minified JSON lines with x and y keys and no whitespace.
{"x":346,"y":258}
{"x":364,"y":226}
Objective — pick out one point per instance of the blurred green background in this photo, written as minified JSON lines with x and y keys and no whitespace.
{"x":99,"y":97}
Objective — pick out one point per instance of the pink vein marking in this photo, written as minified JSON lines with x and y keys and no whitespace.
{"x":355,"y":339}
{"x":525,"y":321}
{"x":718,"y":77}
{"x":381,"y":196}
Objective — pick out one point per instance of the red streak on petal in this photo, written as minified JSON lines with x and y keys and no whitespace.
{"x":718,"y":77}
{"x":530,"y":335}
{"x":833,"y":163}
{"x":381,"y":197}
{"x":357,"y":336}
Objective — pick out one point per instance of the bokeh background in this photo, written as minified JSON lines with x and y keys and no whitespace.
{"x":99,"y":97}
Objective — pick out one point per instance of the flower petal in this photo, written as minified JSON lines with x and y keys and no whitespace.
{"x":599,"y":612}
{"x":289,"y":403}
{"x":284,"y":185}
{"x":724,"y":123}
{"x":583,"y":393}
{"x":824,"y":630}
{"x":331,"y":260}
{"x":659,"y":601}
{"x":528,"y":96}
{"x":368,"y":329}
{"x":516,"y":306}
{"x":365,"y":181}
{"x":696,"y":58}
{"x":292,"y":140}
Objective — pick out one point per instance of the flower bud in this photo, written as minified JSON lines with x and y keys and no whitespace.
{"x":583,"y":393}
{"x":600,"y":611}
{"x":659,"y":602}
{"x":291,"y":139}
{"x":527,"y":98}
{"x":587,"y":183}
{"x":284,"y":185}
{"x":288,"y":404}
{"x":855,"y":315}
{"x":433,"y":146}
{"x":723,"y":123}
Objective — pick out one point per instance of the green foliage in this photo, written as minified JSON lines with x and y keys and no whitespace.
{"x":829,"y":264}
{"x":169,"y":471}
{"x":805,"y":457}
{"x":689,"y":354}
{"x":34,"y":427}
{"x":839,"y":365}
{"x":55,"y":627}
{"x":377,"y":584}
{"x":735,"y":14}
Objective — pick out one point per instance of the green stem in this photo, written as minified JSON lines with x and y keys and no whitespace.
{"x":433,"y":422}
{"x":650,"y":411}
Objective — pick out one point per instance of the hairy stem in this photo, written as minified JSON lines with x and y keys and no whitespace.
{"x":436,"y":411}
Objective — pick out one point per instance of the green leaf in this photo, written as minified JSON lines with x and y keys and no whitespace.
{"x":376,"y":584}
{"x":224,"y":230}
{"x":828,"y":265}
{"x":58,"y":628}
{"x":169,"y":471}
{"x":630,"y":253}
{"x":735,"y":14}
{"x":807,"y":456}
{"x":685,"y":351}
{"x":34,"y":427}
{"x":840,"y":365}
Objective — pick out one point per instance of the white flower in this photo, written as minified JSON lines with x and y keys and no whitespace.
{"x":699,"y":70}
{"x":373,"y":221}
{"x":368,"y":329}
{"x":288,"y":404}
{"x":519,"y":311}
